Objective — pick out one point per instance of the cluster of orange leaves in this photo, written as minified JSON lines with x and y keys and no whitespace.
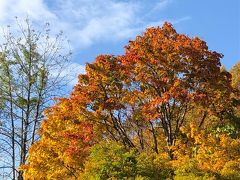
{"x":207,"y":154}
{"x":160,"y":74}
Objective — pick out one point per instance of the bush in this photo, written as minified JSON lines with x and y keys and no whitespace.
{"x":109,"y":160}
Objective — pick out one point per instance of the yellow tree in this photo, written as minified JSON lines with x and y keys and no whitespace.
{"x":235,"y":72}
{"x":208,"y":153}
{"x":63,"y":147}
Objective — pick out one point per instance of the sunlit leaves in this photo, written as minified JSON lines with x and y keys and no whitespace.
{"x":63,"y":147}
{"x":159,"y":109}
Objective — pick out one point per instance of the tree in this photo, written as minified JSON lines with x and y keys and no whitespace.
{"x":235,"y":71}
{"x":110,"y":160}
{"x":173,"y":73}
{"x":64,"y":145}
{"x":30,"y":76}
{"x":142,"y":100}
{"x":211,"y":152}
{"x":153,"y":87}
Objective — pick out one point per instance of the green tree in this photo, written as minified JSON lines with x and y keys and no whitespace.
{"x":110,"y":160}
{"x":31,"y":62}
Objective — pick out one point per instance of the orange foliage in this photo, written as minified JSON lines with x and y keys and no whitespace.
{"x":63,"y":147}
{"x":139,"y":99}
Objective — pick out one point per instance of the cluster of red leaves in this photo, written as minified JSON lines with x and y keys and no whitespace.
{"x":161,"y":76}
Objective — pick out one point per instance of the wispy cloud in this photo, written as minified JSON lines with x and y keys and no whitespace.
{"x":36,"y":9}
{"x":69,"y":73}
{"x":72,"y":72}
{"x":86,"y":22}
{"x":162,"y":4}
{"x":173,"y":21}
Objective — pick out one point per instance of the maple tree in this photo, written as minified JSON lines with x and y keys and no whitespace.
{"x":173,"y":73}
{"x":143,"y":114}
{"x":64,"y":144}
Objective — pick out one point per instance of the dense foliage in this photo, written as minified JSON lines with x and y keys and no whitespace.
{"x":164,"y":109}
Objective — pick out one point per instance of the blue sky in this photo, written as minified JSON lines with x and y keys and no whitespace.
{"x":105,"y":26}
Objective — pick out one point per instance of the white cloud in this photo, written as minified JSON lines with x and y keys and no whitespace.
{"x":84,"y":22}
{"x":69,"y":73}
{"x":162,"y":4}
{"x":94,"y":21}
{"x":72,"y":72}
{"x":35,"y":9}
{"x":173,"y":21}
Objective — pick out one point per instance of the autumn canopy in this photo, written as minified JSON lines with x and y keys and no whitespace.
{"x":164,"y":109}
